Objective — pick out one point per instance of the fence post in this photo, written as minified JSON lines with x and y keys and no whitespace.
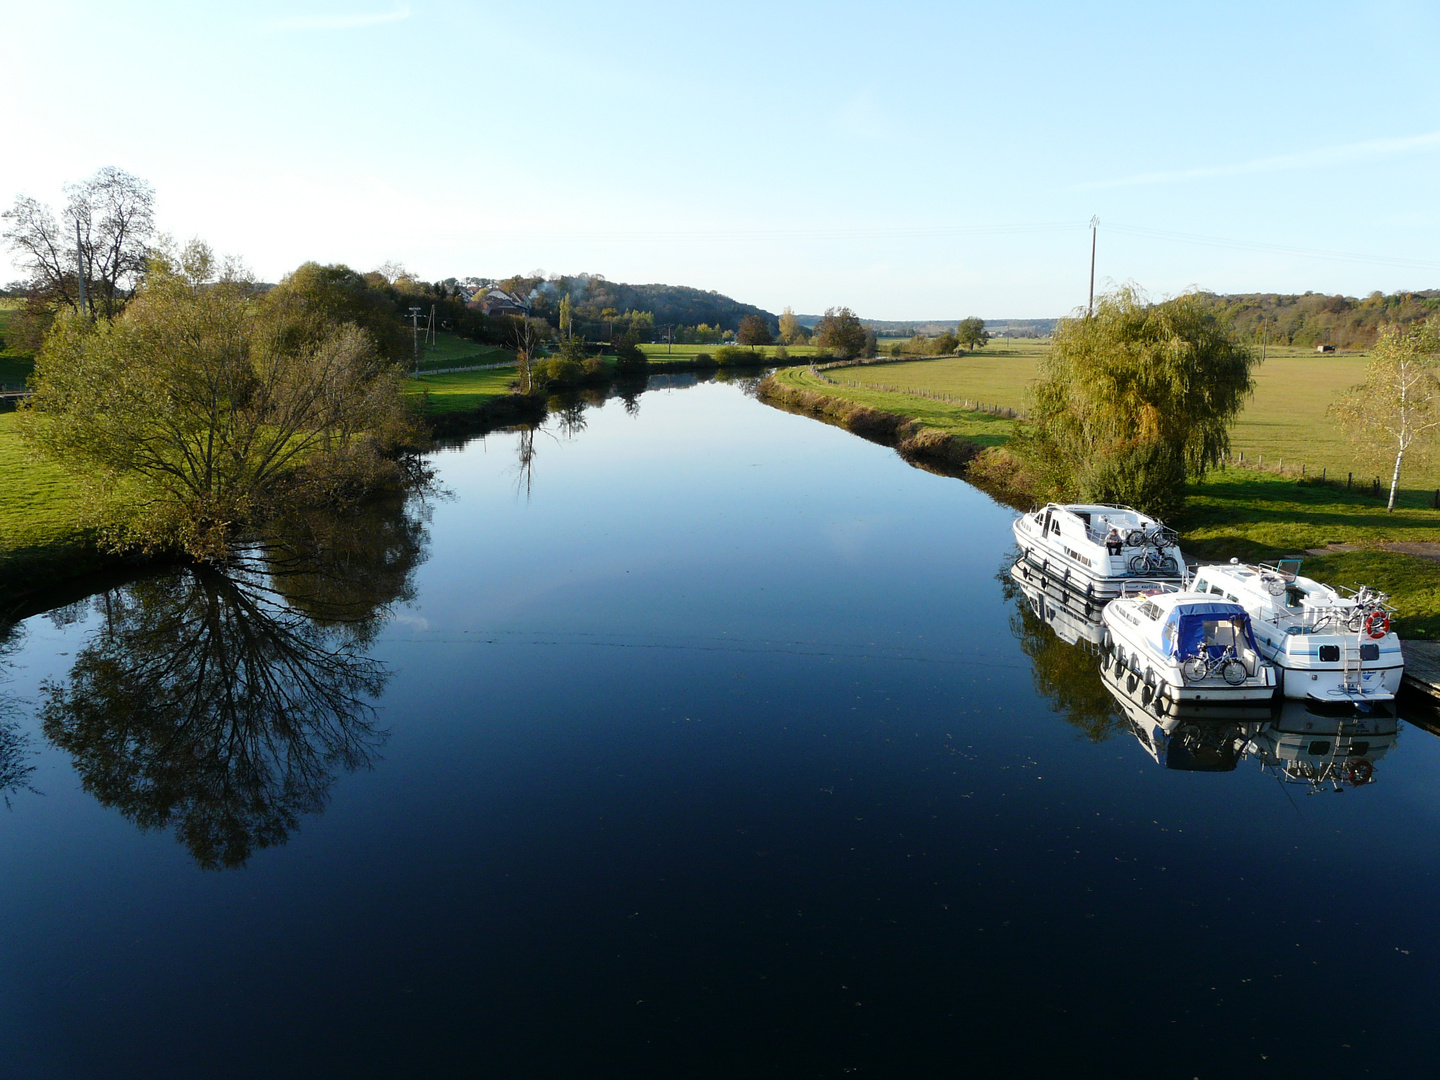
{"x":1349,"y":480}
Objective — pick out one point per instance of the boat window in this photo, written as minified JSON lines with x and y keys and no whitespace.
{"x":1319,"y":748}
{"x":1329,"y":653}
{"x":1215,"y":590}
{"x":1359,"y":748}
{"x":1150,"y":610}
{"x":1370,"y":651}
{"x":1232,"y":597}
{"x":1200,"y":585}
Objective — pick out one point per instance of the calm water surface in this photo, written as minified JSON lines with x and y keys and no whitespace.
{"x":684,"y":739}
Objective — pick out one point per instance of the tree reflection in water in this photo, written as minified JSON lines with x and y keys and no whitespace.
{"x":1067,"y":676}
{"x":223,"y":702}
{"x":15,"y":753}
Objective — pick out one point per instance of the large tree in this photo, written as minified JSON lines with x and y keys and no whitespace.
{"x":1394,"y":414}
{"x":115,"y":215}
{"x":198,"y":412}
{"x":312,"y":300}
{"x":972,"y":333}
{"x":1133,"y":399}
{"x":840,"y":331}
{"x":791,"y":332}
{"x":754,"y":330}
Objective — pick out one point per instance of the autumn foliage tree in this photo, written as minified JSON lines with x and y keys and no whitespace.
{"x":840,"y":331}
{"x":200,"y":412}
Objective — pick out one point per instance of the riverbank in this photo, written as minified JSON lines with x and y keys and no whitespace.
{"x":1345,"y":537}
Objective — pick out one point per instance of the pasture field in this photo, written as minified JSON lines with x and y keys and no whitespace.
{"x":1285,"y":422}
{"x":39,"y":514}
{"x":978,"y":427}
{"x":460,"y":391}
{"x":453,"y":351}
{"x":15,"y":363}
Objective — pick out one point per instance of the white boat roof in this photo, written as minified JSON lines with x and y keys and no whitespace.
{"x":1107,"y":511}
{"x":1252,"y":579}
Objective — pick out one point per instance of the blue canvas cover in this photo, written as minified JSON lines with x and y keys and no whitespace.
{"x":1183,"y":630}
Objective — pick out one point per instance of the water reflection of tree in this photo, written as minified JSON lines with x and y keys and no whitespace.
{"x":15,"y":753}
{"x":1067,"y":676}
{"x":224,"y":702}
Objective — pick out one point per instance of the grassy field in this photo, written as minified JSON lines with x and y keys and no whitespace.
{"x":15,"y":363}
{"x":981,"y":428}
{"x":40,"y":531}
{"x":452,"y":351}
{"x":661,"y":351}
{"x":460,"y":391}
{"x":1255,"y":515}
{"x":1285,"y":422}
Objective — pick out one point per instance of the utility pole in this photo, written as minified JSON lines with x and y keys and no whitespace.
{"x":415,"y":326}
{"x":80,"y":266}
{"x":430,"y":330}
{"x":1094,"y":228}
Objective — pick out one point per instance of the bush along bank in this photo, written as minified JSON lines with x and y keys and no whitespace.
{"x":925,"y":447}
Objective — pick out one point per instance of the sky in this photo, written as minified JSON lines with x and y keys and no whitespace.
{"x":907,"y":160}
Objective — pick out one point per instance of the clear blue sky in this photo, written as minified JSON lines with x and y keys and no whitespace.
{"x":880,"y":156}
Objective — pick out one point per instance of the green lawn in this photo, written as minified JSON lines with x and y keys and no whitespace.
{"x":452,"y":351}
{"x":15,"y":363}
{"x":39,"y":514}
{"x":460,"y":391}
{"x":981,"y":428}
{"x":1260,"y":516}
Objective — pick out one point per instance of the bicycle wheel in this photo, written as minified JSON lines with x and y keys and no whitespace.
{"x":1139,"y":564}
{"x":1195,"y":668}
{"x":1135,"y":537}
{"x":1168,"y":565}
{"x":1233,"y":671}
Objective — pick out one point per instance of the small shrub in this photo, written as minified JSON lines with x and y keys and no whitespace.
{"x":733,"y":354}
{"x":781,"y":353}
{"x":704,"y":359}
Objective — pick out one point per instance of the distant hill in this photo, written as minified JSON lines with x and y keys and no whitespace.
{"x":1315,"y":319}
{"x":670,"y":304}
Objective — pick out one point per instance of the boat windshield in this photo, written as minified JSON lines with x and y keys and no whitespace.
{"x":1212,"y":629}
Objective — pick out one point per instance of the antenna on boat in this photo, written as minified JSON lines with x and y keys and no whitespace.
{"x":1094,"y":228}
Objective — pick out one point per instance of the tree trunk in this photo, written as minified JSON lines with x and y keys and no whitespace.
{"x":1394,"y":482}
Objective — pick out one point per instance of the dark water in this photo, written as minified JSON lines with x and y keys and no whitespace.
{"x":714,"y":741}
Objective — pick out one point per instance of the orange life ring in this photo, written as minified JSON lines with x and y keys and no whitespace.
{"x":1377,"y":624}
{"x":1360,"y":771}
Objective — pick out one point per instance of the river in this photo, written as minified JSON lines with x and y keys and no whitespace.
{"x":682,"y":737}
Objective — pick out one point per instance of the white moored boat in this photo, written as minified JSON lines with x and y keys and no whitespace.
{"x":1328,"y":646}
{"x":1324,"y":751}
{"x":1187,"y":646}
{"x":1094,"y":548}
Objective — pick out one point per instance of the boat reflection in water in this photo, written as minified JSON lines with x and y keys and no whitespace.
{"x":1074,"y":617}
{"x":1297,"y":742}
{"x":223,"y":702}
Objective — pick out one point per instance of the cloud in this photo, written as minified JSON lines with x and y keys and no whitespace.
{"x":1327,"y":155}
{"x":337,"y":22}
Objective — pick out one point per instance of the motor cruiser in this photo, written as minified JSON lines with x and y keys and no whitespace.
{"x":1328,"y":645}
{"x":1186,"y":645}
{"x":1094,"y":547}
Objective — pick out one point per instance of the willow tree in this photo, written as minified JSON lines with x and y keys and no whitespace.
{"x":1394,"y":414}
{"x":196,"y":413}
{"x":1134,"y":399}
